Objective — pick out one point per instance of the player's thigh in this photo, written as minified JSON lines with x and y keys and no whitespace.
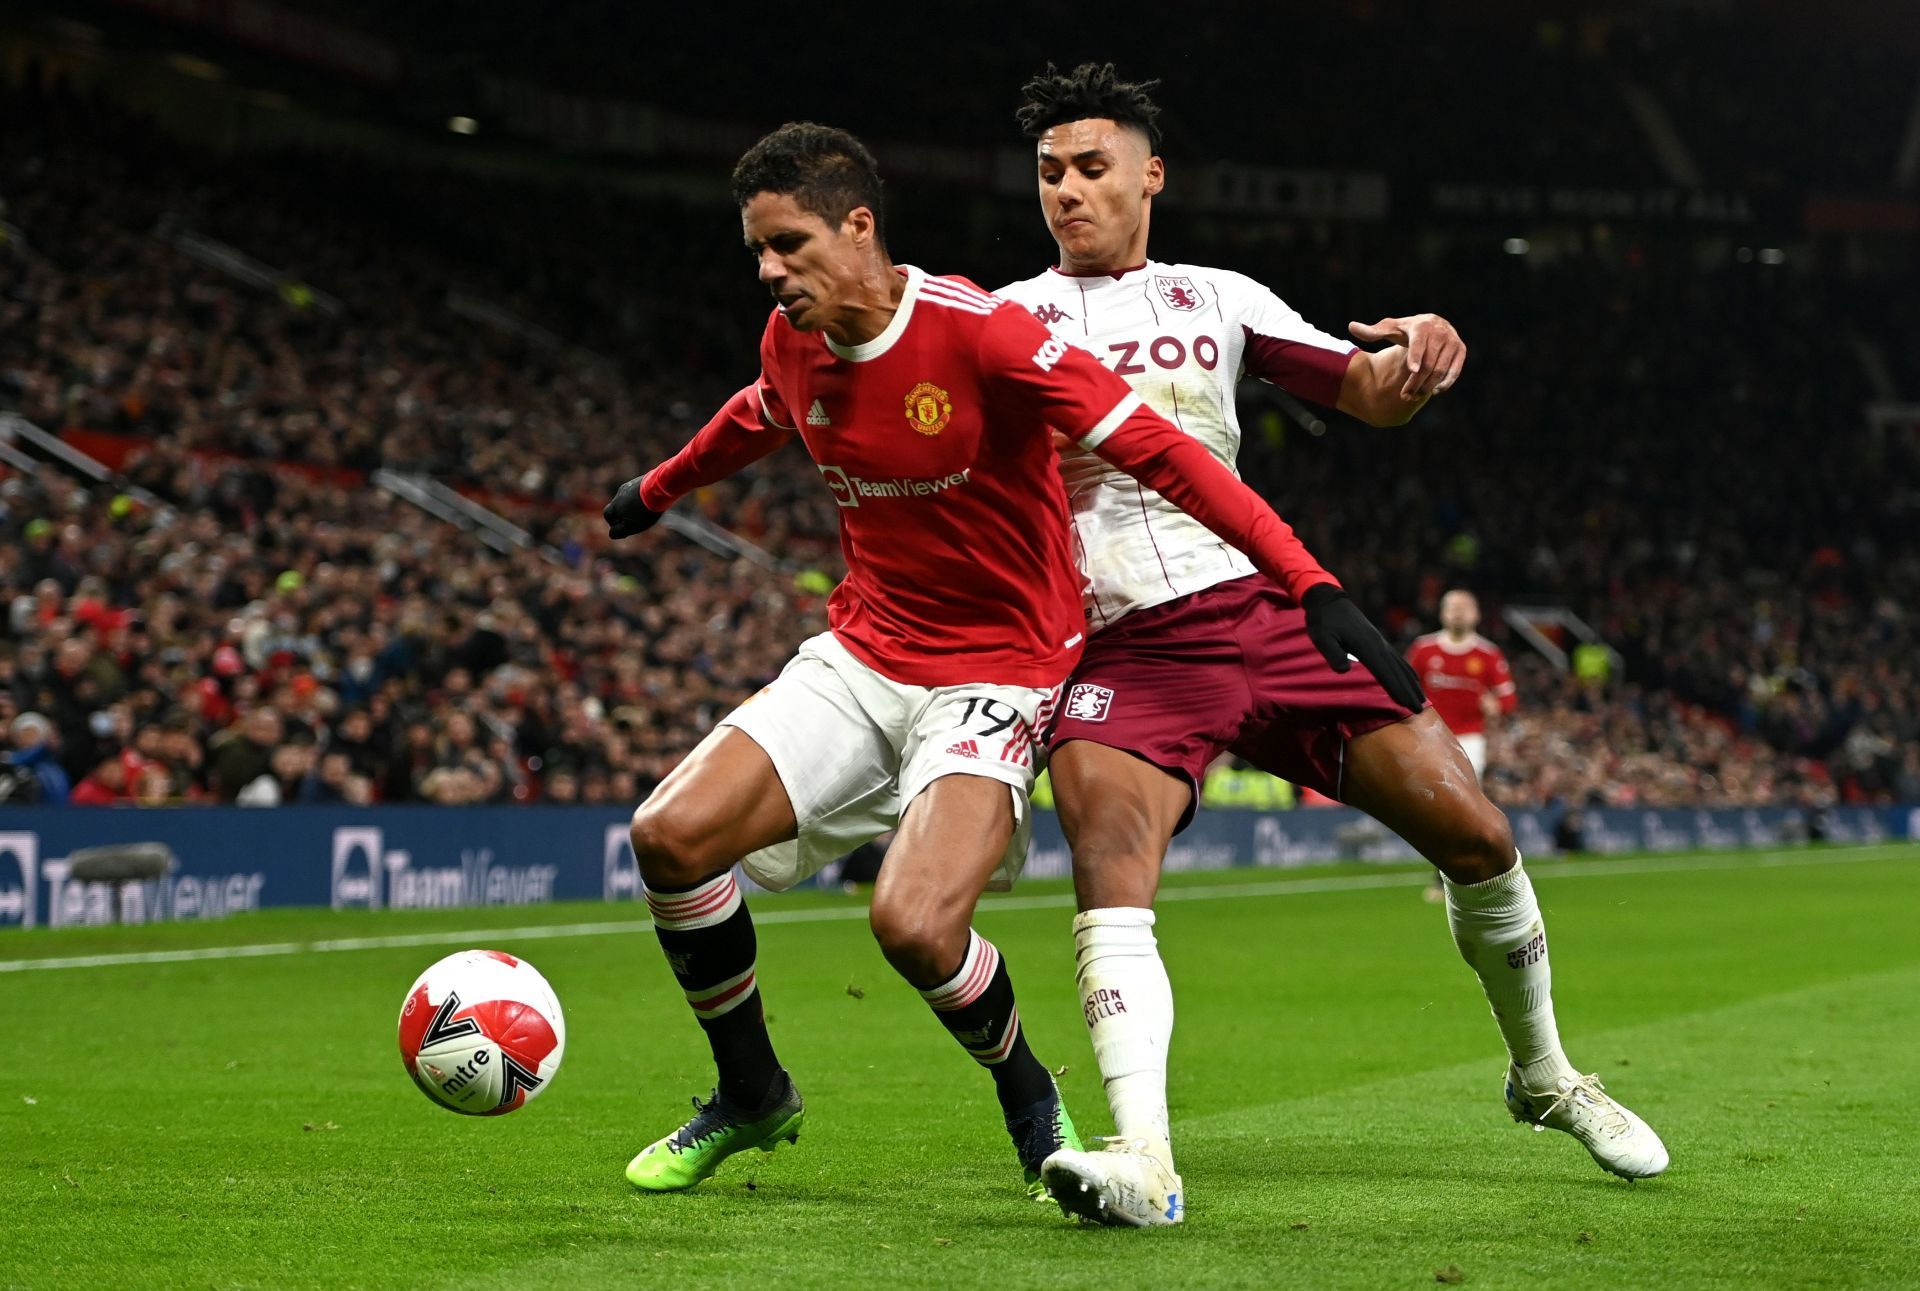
{"x":1118,"y":813}
{"x":1412,"y":777}
{"x":1153,"y":703}
{"x":953,"y":836}
{"x":725,"y":800}
{"x":966,"y":774}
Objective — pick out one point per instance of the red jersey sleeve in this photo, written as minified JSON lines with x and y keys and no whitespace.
{"x":736,"y":437}
{"x":1086,"y":402}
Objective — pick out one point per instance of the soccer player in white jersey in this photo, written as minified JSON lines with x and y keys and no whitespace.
{"x":1192,"y":652}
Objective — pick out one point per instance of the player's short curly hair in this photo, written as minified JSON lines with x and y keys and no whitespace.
{"x":827,"y":171}
{"x":1089,"y":90}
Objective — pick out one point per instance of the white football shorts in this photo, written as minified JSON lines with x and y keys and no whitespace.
{"x":1475,"y":747}
{"x":853,"y":748}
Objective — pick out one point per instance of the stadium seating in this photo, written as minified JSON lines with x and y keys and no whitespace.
{"x":286,"y":632}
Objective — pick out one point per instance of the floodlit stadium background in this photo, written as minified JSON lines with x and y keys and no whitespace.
{"x":325,"y":332}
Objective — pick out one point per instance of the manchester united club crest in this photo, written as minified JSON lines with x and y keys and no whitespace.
{"x":1474,"y":667}
{"x":1179,"y":293}
{"x":928,"y":408}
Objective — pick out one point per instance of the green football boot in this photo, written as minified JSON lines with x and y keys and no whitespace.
{"x":719,"y":1129}
{"x":1038,"y":1132}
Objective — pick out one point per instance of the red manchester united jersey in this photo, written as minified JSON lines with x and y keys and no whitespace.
{"x":1457,"y":673}
{"x":934,"y":439}
{"x":953,"y":521}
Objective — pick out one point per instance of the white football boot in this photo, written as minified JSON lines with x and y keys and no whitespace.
{"x":1126,"y":1185}
{"x":1620,"y":1141}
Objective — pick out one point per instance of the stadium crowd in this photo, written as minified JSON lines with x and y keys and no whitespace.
{"x":279,"y":631}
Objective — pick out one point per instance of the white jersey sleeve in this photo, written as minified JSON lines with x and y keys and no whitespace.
{"x":1286,"y":350}
{"x":1181,"y":336}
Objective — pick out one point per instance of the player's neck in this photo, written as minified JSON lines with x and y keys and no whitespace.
{"x":1101,"y":269}
{"x":1457,"y":637}
{"x":870,"y":307}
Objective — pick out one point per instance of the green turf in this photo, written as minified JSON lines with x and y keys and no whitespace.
{"x":246,"y":1122}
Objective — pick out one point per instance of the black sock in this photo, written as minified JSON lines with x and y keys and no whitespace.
{"x":977,"y":1005}
{"x":708,"y":937}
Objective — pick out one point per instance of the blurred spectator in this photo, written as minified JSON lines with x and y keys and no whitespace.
{"x":33,"y":773}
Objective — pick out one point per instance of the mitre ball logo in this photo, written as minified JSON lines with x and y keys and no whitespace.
{"x":928,"y":408}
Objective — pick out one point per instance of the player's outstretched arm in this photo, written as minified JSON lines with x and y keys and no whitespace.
{"x":1386,"y":387}
{"x":1176,"y":466}
{"x":740,"y":434}
{"x":1098,"y":410}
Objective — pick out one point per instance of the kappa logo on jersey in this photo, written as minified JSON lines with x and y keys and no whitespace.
{"x":1179,"y":293}
{"x":1049,"y":354}
{"x":928,"y":408}
{"x":963,"y":749}
{"x":817,"y":415}
{"x":1050,"y":313}
{"x":1088,"y":703}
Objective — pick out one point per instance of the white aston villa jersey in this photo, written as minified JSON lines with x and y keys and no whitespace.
{"x":1182,"y":336}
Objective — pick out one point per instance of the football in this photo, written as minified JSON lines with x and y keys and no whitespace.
{"x":481,"y":1033}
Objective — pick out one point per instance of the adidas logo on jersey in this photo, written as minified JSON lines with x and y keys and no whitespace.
{"x":963,"y":749}
{"x":817,"y":415}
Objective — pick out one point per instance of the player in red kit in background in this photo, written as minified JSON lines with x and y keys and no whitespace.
{"x":928,"y":408}
{"x":1467,"y":678}
{"x":1465,"y":675}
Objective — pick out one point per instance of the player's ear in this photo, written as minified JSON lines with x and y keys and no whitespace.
{"x":1156,"y":176}
{"x":859,"y":225}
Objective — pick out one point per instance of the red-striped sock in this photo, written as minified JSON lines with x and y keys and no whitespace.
{"x":708,"y":937}
{"x":977,"y":1005}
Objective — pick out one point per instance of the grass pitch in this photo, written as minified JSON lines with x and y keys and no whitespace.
{"x":245,"y":1121}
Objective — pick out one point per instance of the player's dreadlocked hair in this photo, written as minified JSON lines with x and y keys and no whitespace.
{"x":827,"y":171}
{"x":1089,"y":90}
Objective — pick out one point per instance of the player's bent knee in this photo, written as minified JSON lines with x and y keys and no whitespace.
{"x":922,"y":946}
{"x":668,"y":852}
{"x":1116,"y":860}
{"x":1123,"y":874}
{"x":1485,"y":851}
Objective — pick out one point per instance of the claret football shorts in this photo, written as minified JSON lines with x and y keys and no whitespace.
{"x":853,"y":748}
{"x":1226,"y":669}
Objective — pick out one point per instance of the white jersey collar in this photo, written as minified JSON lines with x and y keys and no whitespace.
{"x":880,"y":344}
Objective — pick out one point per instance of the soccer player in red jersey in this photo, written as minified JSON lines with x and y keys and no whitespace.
{"x":1193,"y":651}
{"x":1465,"y":675}
{"x":926,"y":406}
{"x":1468,"y":680}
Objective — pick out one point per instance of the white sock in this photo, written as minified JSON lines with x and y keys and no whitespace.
{"x":1498,"y":928}
{"x":1128,"y":1003}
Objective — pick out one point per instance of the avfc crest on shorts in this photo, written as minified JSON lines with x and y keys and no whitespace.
{"x":1088,"y":703}
{"x":928,"y":408}
{"x":1178,"y":293}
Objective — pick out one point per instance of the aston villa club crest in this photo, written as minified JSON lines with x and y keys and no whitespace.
{"x":1178,"y":293}
{"x":928,"y":408}
{"x":1087,"y":702}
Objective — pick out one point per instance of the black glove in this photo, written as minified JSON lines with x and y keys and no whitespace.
{"x":1339,"y":629}
{"x":627,"y":515}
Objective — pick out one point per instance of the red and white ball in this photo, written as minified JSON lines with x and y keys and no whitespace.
{"x":481,"y":1033}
